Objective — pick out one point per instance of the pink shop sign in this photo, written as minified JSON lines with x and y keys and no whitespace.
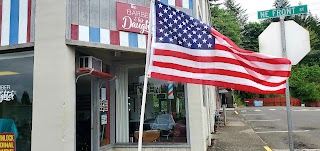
{"x":132,"y":18}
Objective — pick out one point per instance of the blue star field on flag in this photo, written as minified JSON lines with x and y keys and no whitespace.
{"x":177,"y":27}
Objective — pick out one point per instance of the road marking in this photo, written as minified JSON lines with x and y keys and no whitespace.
{"x":253,"y":114}
{"x":263,"y":120}
{"x":267,"y":148}
{"x":297,"y":150}
{"x":298,"y":131}
{"x":236,"y":112}
{"x":307,"y":110}
{"x":244,"y":111}
{"x":257,"y":110}
{"x":272,"y":109}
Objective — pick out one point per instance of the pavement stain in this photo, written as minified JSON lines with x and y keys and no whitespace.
{"x":267,"y":127}
{"x":301,"y":145}
{"x":235,"y":123}
{"x":248,"y":131}
{"x":308,"y":128}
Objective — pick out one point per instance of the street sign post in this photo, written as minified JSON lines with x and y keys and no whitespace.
{"x":282,"y":12}
{"x":288,"y":104}
{"x":274,"y":13}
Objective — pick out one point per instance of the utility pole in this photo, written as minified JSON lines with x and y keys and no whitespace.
{"x":284,"y":53}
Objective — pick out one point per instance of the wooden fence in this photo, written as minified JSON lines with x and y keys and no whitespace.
{"x":274,"y":101}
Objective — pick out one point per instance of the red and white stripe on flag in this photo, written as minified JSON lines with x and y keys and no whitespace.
{"x":182,"y":51}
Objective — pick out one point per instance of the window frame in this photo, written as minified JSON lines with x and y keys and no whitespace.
{"x":7,"y":53}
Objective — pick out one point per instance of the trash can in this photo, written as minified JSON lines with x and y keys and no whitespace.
{"x":247,"y":103}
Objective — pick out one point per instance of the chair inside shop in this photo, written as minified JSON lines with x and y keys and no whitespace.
{"x":165,"y":123}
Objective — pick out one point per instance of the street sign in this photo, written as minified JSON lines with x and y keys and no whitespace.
{"x":297,"y":41}
{"x":274,"y":13}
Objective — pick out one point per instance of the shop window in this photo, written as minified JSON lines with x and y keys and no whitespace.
{"x":165,"y":114}
{"x":16,"y":97}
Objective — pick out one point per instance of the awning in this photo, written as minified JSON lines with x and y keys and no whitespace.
{"x":94,"y":72}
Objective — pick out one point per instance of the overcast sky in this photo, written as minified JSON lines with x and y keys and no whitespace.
{"x":253,"y":6}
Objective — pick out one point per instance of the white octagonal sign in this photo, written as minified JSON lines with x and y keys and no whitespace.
{"x":297,"y":41}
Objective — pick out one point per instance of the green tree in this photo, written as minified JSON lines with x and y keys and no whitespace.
{"x":25,"y":99}
{"x":305,"y":83}
{"x":251,"y":33}
{"x":281,"y":4}
{"x":226,"y":23}
{"x":277,"y":4}
{"x":244,"y":95}
{"x":237,"y":10}
{"x":215,"y":3}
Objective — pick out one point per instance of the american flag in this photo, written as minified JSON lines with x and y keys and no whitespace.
{"x":187,"y":50}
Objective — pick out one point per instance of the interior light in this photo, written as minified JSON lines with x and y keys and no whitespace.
{"x":6,"y":73}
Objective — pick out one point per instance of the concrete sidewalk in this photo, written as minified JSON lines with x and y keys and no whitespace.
{"x":236,"y":136}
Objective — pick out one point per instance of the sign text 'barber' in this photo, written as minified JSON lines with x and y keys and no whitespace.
{"x":6,"y":94}
{"x":132,"y":18}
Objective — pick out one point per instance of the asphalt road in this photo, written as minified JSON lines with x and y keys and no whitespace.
{"x":270,"y":123}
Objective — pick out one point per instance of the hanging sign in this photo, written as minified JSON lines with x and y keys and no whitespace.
{"x":6,"y":94}
{"x":132,"y":18}
{"x":103,"y":94}
{"x":7,"y":142}
{"x":104,"y":119}
{"x":103,"y":105}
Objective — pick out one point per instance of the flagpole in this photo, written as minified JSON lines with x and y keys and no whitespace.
{"x":145,"y":83}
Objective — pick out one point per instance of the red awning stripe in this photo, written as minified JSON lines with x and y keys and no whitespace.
{"x":94,"y":72}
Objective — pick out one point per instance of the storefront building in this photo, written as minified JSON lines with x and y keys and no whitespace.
{"x":71,"y":77}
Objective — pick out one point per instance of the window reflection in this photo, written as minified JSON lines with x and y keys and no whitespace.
{"x":16,"y":85}
{"x":165,"y":118}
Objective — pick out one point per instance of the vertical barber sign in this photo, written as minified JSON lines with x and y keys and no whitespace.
{"x":170,"y":90}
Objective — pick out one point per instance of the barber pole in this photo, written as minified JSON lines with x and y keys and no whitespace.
{"x":170,"y":91}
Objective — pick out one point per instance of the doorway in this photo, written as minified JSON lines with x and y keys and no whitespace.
{"x":83,"y":114}
{"x":87,"y":114}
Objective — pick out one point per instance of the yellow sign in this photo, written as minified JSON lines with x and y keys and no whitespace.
{"x":7,"y":142}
